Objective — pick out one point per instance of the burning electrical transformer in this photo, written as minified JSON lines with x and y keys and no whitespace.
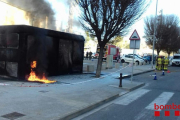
{"x":34,"y":78}
{"x":32,"y":53}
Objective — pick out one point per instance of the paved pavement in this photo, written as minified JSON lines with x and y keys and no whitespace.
{"x":139,"y":104}
{"x":71,"y":96}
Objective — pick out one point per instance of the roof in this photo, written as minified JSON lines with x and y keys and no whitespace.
{"x":176,"y":55}
{"x":39,"y":31}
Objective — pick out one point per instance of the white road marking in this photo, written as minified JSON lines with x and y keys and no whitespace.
{"x":145,"y":115}
{"x":178,"y":118}
{"x":162,"y":99}
{"x":132,"y":96}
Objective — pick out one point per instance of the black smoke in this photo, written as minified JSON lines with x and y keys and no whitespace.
{"x":68,"y":3}
{"x":37,"y":8}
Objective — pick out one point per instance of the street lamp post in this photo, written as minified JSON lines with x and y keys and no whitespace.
{"x":154,"y":33}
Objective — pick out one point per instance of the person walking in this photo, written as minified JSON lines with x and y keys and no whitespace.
{"x":118,"y":58}
{"x":87,"y":55}
{"x":90,"y":55}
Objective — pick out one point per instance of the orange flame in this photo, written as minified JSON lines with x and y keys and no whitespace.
{"x":33,"y":77}
{"x":33,"y":64}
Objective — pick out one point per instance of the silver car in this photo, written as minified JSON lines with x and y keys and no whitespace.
{"x":175,"y":60}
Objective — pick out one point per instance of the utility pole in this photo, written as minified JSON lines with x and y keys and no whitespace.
{"x":154,"y":33}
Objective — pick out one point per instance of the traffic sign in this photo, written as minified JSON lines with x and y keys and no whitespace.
{"x":134,"y":44}
{"x":134,"y":40}
{"x":134,"y":36}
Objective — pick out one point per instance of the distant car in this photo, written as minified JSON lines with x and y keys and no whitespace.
{"x":129,"y":59}
{"x":139,"y":57}
{"x":93,"y":55}
{"x":175,"y":60}
{"x":148,"y":58}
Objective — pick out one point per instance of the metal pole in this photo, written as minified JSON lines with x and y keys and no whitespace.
{"x":154,"y":33}
{"x":120,"y":82}
{"x":133,"y":61}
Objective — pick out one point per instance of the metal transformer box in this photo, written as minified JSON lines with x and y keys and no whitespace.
{"x":56,"y":52}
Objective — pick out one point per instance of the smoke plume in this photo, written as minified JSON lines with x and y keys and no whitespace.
{"x":38,"y":8}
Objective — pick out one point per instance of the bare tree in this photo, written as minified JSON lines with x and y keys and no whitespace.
{"x":149,"y":31}
{"x":171,"y":40}
{"x":116,"y":40}
{"x":171,"y":34}
{"x":106,"y":19}
{"x":167,"y":33}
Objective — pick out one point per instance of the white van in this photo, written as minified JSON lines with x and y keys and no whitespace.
{"x":175,"y":60}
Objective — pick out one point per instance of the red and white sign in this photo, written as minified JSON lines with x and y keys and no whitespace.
{"x":134,"y":36}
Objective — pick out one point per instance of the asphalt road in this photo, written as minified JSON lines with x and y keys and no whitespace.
{"x":139,"y":104}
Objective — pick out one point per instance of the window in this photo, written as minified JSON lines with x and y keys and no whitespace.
{"x":176,"y":57}
{"x":127,"y":56}
{"x":12,"y":40}
{"x":131,"y":57}
{"x":9,"y":41}
{"x":112,"y":51}
{"x":2,"y":64}
{"x":2,"y":41}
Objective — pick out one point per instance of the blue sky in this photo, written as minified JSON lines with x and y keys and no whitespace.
{"x":169,"y":7}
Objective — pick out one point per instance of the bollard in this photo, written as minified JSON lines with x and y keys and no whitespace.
{"x":163,"y":73}
{"x":155,"y":77}
{"x":120,"y":82}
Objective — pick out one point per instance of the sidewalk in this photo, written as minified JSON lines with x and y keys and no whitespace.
{"x":71,"y":96}
{"x":126,"y":71}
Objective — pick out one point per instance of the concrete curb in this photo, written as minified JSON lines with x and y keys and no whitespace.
{"x":134,"y":88}
{"x":127,"y":76}
{"x":88,"y":108}
{"x":128,"y":89}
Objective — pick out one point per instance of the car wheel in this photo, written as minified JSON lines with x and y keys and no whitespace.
{"x":122,"y":61}
{"x":137,"y":62}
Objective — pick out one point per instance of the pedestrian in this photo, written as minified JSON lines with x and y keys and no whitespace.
{"x":90,"y":55}
{"x":87,"y":55}
{"x":118,"y":58}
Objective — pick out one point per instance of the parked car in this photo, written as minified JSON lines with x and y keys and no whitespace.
{"x":175,"y":60}
{"x":148,"y":58}
{"x":93,"y":55}
{"x":129,"y":59}
{"x":139,"y":57}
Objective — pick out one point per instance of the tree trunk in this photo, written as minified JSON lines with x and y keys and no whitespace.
{"x":99,"y":65}
{"x":158,"y":51}
{"x":169,"y":54}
